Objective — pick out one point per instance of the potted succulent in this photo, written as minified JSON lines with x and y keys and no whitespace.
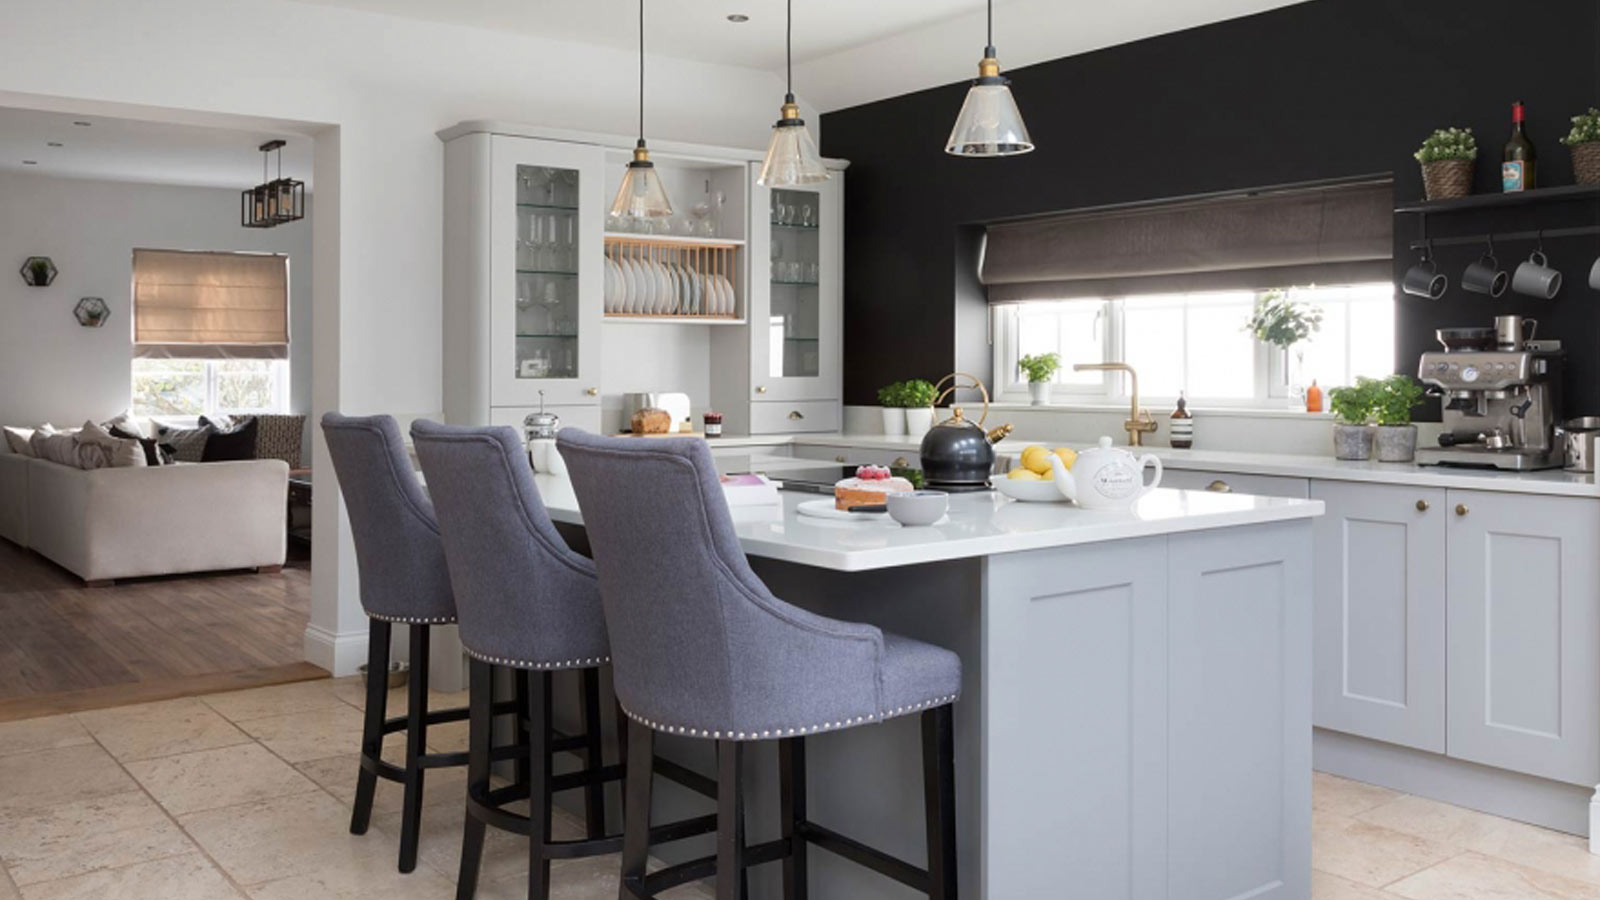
{"x":1040,"y":368}
{"x":917,"y":396}
{"x":1584,"y":142}
{"x":1447,"y":158}
{"x":1392,"y":401}
{"x":1283,"y":323}
{"x":891,"y":399}
{"x":1353,"y":406}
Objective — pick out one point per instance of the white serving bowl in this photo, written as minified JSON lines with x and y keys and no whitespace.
{"x":917,"y":507}
{"x":1031,"y":491}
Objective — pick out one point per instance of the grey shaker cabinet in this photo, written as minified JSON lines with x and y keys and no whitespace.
{"x":1524,"y":633}
{"x":1380,"y":612}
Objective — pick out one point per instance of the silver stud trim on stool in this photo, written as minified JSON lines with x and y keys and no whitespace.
{"x":583,"y":663}
{"x":784,"y":732}
{"x":414,"y":620}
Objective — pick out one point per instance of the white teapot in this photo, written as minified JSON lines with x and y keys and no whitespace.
{"x":1105,"y":477}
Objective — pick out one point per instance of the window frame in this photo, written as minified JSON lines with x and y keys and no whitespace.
{"x":279,"y":371}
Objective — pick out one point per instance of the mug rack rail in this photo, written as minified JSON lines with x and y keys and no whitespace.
{"x":1503,"y":236}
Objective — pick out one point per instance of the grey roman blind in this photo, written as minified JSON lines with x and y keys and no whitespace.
{"x":201,"y":305}
{"x":1328,"y":235}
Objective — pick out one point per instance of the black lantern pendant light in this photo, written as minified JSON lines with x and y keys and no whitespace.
{"x":274,"y":202}
{"x":642,"y":195}
{"x":990,"y":123}
{"x":792,"y":156}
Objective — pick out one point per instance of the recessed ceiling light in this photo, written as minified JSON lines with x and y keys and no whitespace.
{"x":738,"y":17}
{"x":30,"y":162}
{"x":54,"y":144}
{"x":81,"y":123}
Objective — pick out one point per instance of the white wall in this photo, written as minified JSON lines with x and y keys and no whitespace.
{"x":53,"y":369}
{"x":373,"y":89}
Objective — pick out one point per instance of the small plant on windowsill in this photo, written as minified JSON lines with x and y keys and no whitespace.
{"x":1040,"y":368}
{"x":1584,"y":142}
{"x":1447,"y":157}
{"x":1393,"y":400}
{"x":1285,"y":324}
{"x":917,"y":395}
{"x":891,"y":397}
{"x":1353,"y":407}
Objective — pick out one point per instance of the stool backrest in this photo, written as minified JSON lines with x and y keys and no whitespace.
{"x":398,"y":552}
{"x":698,"y":641}
{"x":523,"y":596}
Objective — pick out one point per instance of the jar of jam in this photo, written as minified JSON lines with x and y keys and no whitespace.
{"x":713,"y":424}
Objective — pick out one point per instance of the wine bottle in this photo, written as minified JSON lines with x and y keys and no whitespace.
{"x":1519,"y":162}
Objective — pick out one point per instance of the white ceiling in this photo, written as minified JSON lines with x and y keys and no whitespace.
{"x":111,"y":149}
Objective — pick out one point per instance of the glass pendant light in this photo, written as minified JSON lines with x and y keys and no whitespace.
{"x":642,"y":195}
{"x":792,"y":156}
{"x":989,"y":123}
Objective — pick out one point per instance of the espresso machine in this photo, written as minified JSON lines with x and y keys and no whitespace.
{"x":1501,"y":393}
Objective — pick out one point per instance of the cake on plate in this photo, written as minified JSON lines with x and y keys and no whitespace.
{"x":871,"y":486}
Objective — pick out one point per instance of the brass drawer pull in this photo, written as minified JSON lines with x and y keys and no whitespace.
{"x":1461,"y":509}
{"x":796,"y":414}
{"x":1220,"y":487}
{"x":1422,"y":506}
{"x":838,"y":459}
{"x":761,"y":389}
{"x":593,"y":392}
{"x":900,"y":462}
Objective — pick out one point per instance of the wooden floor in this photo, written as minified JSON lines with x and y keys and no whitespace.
{"x":66,"y":648}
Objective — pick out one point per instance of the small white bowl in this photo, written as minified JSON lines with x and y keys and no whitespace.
{"x":1031,"y":491}
{"x":917,"y":507}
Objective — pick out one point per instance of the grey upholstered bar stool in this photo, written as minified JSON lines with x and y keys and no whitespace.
{"x":701,"y":648}
{"x":403,"y":579}
{"x":529,"y":603}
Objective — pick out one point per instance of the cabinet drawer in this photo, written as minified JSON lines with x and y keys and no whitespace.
{"x":1260,"y":485}
{"x":586,"y":416}
{"x":779,"y":417}
{"x":855,"y":455}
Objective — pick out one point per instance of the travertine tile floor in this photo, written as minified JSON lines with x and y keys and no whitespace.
{"x":247,"y":795}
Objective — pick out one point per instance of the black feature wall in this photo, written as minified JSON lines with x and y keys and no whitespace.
{"x":1319,"y":90}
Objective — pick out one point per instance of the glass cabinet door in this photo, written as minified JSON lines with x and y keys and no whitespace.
{"x":545,"y":256}
{"x":795,"y":336}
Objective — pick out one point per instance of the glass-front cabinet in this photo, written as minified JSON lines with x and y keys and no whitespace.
{"x":795,"y":351}
{"x":545,"y":262}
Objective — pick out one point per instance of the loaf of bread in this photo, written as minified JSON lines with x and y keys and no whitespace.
{"x":652,"y":421}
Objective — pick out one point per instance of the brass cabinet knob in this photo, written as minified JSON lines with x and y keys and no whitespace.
{"x":761,"y":389}
{"x":839,"y":458}
{"x":796,"y":414}
{"x":1461,"y":509}
{"x":593,"y":392}
{"x":1422,"y":506}
{"x":900,"y":462}
{"x":1220,"y":487}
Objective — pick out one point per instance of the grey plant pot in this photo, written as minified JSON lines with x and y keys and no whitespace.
{"x":1396,"y":443}
{"x":1352,"y":441}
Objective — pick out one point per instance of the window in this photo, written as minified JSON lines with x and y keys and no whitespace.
{"x":1195,"y":343}
{"x":210,"y":387}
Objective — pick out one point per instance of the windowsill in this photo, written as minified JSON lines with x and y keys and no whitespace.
{"x":1235,"y":412}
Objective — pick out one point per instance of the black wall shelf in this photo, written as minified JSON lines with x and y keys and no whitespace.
{"x":1496,"y":201}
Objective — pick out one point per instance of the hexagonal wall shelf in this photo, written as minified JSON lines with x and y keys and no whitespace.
{"x":92,"y":312}
{"x":38,"y":271}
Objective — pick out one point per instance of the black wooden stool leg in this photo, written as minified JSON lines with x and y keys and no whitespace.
{"x":730,"y":820}
{"x":539,"y":798}
{"x":939,"y":795}
{"x":416,"y":746}
{"x":792,"y":809}
{"x":480,"y":731}
{"x":378,"y":633}
{"x":520,"y":680}
{"x":594,"y":796}
{"x":640,"y":757}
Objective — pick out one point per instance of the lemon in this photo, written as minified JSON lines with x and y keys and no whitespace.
{"x":1024,"y":475}
{"x":1068,"y":456}
{"x":1037,"y":459}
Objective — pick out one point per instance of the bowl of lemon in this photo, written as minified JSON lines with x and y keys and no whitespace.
{"x":1033,"y":480}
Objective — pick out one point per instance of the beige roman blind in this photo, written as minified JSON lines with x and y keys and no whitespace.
{"x":205,"y":305}
{"x":1326,"y":235}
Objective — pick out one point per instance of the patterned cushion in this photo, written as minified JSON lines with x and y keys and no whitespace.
{"x":185,"y":444}
{"x":280,"y":437}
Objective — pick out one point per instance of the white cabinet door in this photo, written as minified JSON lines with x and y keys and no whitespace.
{"x":796,"y":290}
{"x":547,"y":220}
{"x":1236,"y":483}
{"x":1525,"y":634}
{"x":1380,"y":612}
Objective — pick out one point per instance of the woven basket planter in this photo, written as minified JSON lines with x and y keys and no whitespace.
{"x":1447,"y":179}
{"x":1586,"y":162}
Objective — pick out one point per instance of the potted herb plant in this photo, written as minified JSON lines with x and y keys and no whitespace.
{"x":917,"y":395}
{"x":1353,"y":407}
{"x":1283,"y":323}
{"x":1393,"y":399}
{"x":891,"y":397}
{"x":1584,"y":142}
{"x":1447,"y":158}
{"x":1040,"y":368}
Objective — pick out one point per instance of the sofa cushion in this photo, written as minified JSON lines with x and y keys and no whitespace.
{"x":185,"y":444}
{"x":154,"y":455}
{"x":232,"y":444}
{"x":18,"y":439}
{"x":136,"y":427}
{"x":280,"y":437}
{"x":117,"y":453}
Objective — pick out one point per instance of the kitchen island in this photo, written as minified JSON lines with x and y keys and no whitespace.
{"x":1136,"y":711}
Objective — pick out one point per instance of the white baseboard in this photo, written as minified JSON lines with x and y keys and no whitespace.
{"x":341,"y":654}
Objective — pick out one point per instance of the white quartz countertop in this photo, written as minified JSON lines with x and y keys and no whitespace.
{"x":980,"y":524}
{"x":1552,"y":481}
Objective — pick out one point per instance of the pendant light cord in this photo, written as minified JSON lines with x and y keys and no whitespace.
{"x":990,"y":17}
{"x":641,"y":71}
{"x":788,"y":49}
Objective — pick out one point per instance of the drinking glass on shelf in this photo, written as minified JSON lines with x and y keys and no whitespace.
{"x":569,"y":187}
{"x":805,"y":216}
{"x":711,"y":226}
{"x":775,"y":217}
{"x":810,"y":274}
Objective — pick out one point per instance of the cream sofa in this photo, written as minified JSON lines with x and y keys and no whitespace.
{"x":104,"y":524}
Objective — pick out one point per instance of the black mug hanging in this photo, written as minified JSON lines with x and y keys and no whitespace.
{"x":1485,"y":276}
{"x":1424,"y":279}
